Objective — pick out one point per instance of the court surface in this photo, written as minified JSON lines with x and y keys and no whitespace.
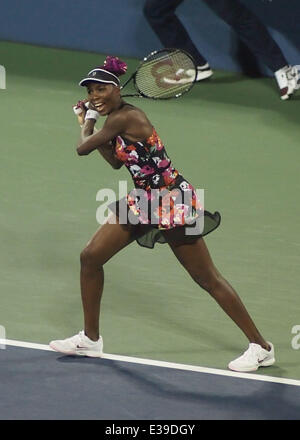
{"x":43,"y":385}
{"x":231,"y":136}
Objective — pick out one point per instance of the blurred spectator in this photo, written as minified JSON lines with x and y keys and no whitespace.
{"x":161,"y":16}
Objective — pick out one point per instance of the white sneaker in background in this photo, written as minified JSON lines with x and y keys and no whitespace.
{"x":79,"y":345}
{"x":253,"y":358}
{"x":288,"y":81}
{"x":204,"y":72}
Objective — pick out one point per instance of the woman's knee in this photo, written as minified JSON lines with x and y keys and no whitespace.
{"x":90,"y":258}
{"x":209,"y":280}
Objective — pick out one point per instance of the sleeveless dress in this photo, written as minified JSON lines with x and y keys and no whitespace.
{"x":162,"y":199}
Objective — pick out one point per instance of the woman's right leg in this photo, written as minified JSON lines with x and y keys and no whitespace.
{"x":110,"y":238}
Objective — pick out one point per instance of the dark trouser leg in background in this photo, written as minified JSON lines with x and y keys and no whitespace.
{"x":161,"y":16}
{"x":171,"y":32}
{"x":251,"y":30}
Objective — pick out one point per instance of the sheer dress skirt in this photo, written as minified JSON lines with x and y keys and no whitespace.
{"x":173,"y":210}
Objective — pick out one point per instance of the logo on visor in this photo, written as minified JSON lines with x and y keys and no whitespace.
{"x":94,"y":73}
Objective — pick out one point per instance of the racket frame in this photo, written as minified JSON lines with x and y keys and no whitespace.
{"x":140,"y":94}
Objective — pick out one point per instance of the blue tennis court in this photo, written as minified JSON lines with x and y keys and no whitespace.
{"x":38,"y":384}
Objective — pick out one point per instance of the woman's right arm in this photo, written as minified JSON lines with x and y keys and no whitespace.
{"x":107,"y":151}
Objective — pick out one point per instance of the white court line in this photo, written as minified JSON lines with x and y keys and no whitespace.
{"x":164,"y":364}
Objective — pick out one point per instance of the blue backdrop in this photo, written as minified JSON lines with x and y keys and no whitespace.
{"x":118,"y":27}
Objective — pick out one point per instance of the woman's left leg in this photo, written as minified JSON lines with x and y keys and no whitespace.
{"x":196,"y":259}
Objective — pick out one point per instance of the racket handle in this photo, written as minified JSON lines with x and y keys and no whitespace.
{"x":77,"y":110}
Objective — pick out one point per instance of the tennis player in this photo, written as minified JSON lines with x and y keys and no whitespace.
{"x":163,"y":207}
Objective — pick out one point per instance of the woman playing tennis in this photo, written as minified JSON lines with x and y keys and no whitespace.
{"x":163,"y":207}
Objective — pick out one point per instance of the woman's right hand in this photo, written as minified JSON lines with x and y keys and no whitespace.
{"x":81,"y":115}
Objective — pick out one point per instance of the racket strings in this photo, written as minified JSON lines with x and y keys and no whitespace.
{"x":166,"y":74}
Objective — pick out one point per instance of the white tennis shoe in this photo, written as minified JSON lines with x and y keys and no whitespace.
{"x":288,"y":81}
{"x":79,"y":345}
{"x":204,"y":72}
{"x":253,"y":358}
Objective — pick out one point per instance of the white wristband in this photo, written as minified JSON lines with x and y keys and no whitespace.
{"x":92,"y":114}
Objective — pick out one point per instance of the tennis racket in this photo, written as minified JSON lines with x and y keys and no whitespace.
{"x":163,"y":74}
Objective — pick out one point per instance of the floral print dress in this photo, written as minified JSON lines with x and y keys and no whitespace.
{"x":162,"y":199}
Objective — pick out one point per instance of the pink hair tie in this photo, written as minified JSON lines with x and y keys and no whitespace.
{"x":115,"y":65}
